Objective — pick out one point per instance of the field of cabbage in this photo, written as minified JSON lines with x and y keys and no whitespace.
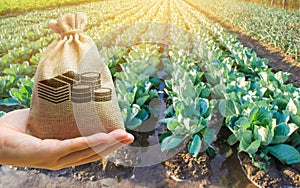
{"x":276,"y":27}
{"x":11,"y":7}
{"x":208,"y":72}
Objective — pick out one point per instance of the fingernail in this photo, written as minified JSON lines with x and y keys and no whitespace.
{"x":130,"y":136}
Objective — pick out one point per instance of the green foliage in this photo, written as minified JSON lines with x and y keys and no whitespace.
{"x":195,"y":146}
{"x":23,"y":93}
{"x":189,"y":113}
{"x":19,"y":69}
{"x":285,"y":153}
{"x":134,"y":87}
{"x":227,"y":108}
{"x":275,"y":26}
{"x":6,"y":82}
{"x":259,"y":108}
{"x":291,"y":5}
{"x":11,"y":6}
{"x":171,"y":142}
{"x":259,"y":122}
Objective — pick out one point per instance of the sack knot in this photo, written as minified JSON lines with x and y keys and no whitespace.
{"x":69,"y":24}
{"x":72,"y":32}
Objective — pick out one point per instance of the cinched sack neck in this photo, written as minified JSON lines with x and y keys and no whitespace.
{"x":72,"y":32}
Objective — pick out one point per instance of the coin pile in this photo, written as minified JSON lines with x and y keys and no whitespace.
{"x":89,"y":89}
{"x":57,"y":89}
{"x":102,"y":94}
{"x":81,"y":93}
{"x":79,"y":88}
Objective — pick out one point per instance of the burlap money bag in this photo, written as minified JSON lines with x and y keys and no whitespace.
{"x":73,"y":93}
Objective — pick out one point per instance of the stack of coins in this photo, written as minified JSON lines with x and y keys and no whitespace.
{"x":91,"y":78}
{"x":81,"y":93}
{"x":80,"y":89}
{"x":102,"y":94}
{"x":54,"y":90}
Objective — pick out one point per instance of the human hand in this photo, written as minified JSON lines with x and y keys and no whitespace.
{"x":18,"y":148}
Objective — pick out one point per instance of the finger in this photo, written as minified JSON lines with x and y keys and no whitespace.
{"x":92,"y":150}
{"x":95,"y":157}
{"x":110,"y":150}
{"x":77,"y":144}
{"x":79,"y":155}
{"x":128,"y":140}
{"x":81,"y":143}
{"x":103,"y":150}
{"x":116,"y":134}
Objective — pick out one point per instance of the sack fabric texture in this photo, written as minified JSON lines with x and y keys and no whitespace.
{"x":73,"y":93}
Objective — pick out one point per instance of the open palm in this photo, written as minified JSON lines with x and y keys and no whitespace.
{"x":21,"y":149}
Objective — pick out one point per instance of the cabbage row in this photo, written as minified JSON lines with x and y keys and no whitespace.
{"x":277,"y":27}
{"x":208,"y":76}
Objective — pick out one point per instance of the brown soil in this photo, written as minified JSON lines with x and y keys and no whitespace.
{"x":278,"y":176}
{"x":278,"y":60}
{"x":93,"y":174}
{"x":184,"y":167}
{"x":87,"y":172}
